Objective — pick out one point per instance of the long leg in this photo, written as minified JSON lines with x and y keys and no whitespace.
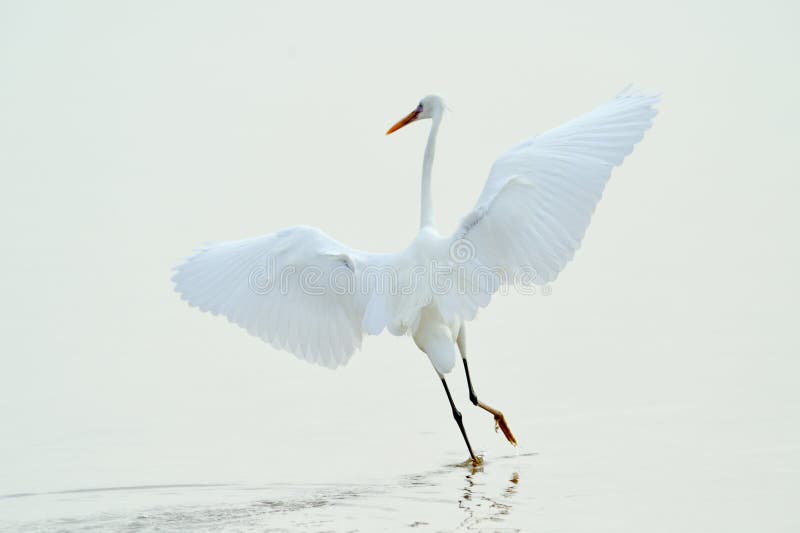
{"x":457,"y":416}
{"x":499,"y":419}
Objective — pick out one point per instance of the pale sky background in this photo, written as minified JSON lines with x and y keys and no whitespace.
{"x":132,"y":132}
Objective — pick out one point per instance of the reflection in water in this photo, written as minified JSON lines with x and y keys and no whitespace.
{"x":479,"y":501}
{"x":453,"y":497}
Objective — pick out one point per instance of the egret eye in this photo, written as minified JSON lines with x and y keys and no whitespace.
{"x":419,"y":108}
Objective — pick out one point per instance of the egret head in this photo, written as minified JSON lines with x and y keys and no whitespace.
{"x":429,"y":107}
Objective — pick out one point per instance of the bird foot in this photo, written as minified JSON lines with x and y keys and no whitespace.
{"x":473,"y":462}
{"x":501,"y":424}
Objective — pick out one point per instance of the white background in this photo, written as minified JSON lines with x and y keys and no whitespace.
{"x":659,"y":378}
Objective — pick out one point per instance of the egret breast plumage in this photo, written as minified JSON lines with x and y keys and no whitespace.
{"x":304,"y":292}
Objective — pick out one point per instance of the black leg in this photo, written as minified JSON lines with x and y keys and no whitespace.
{"x":457,"y":416}
{"x":472,"y":396}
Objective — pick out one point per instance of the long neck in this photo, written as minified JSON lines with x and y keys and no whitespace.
{"x":426,"y":202}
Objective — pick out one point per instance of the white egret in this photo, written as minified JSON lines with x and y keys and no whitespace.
{"x":304,"y":292}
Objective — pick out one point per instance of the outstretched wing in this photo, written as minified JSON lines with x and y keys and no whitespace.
{"x":540,"y":195}
{"x":297,"y":289}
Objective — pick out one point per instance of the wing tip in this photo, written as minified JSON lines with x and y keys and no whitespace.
{"x":631,"y":91}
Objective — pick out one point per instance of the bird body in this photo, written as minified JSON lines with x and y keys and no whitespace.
{"x":304,"y":292}
{"x":436,"y":338}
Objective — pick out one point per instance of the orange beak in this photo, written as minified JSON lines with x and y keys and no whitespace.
{"x":408,"y":119}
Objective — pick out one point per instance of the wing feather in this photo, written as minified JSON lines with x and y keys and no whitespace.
{"x":540,"y":195}
{"x":259,"y":284}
